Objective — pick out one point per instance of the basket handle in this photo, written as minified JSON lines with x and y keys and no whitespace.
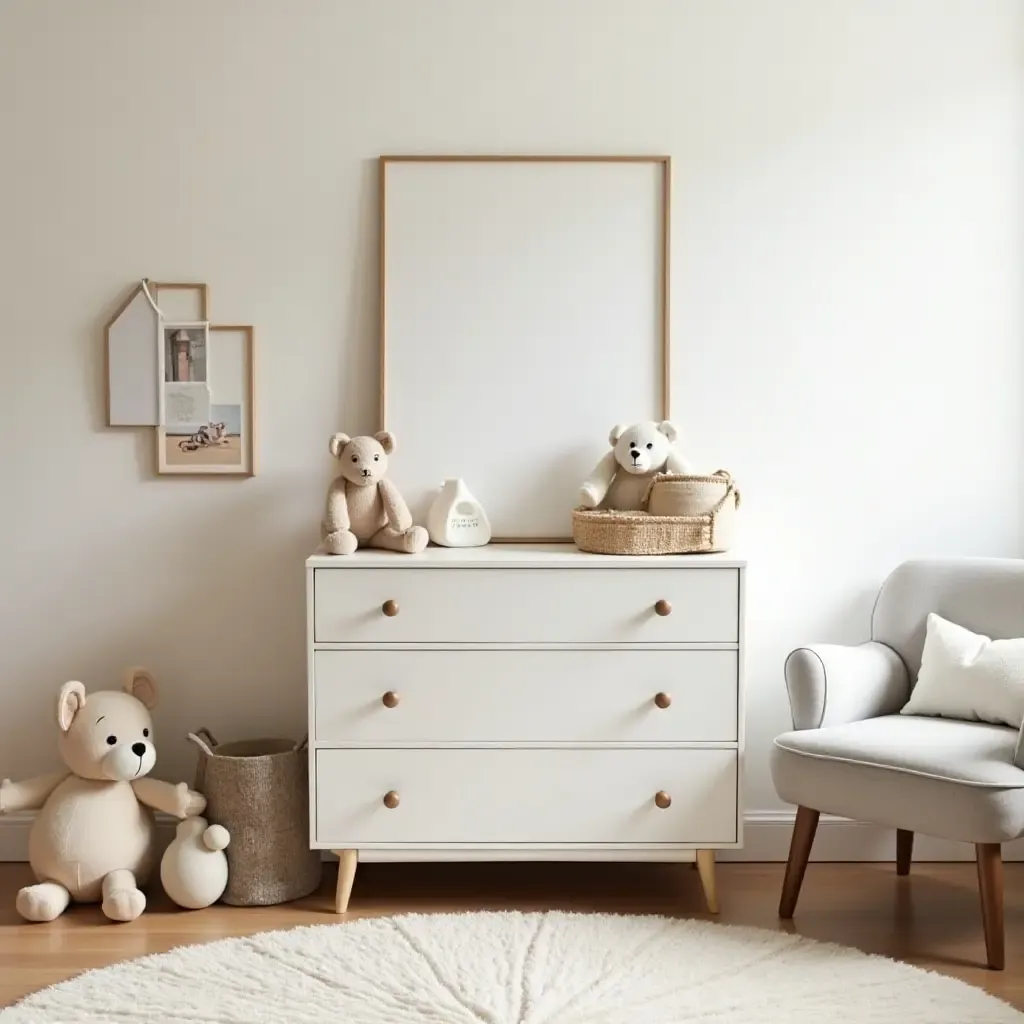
{"x":302,"y":744}
{"x":204,"y":740}
{"x":730,"y":489}
{"x":730,"y":492}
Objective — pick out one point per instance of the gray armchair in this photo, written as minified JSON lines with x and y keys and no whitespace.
{"x":852,"y":754}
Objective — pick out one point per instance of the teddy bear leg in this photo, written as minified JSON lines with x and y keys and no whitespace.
{"x":341,"y":542}
{"x":43,"y":902}
{"x":122,"y":898}
{"x":411,"y":541}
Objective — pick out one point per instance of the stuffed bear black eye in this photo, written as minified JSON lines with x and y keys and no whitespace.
{"x":376,"y":458}
{"x":355,"y":458}
{"x":650,"y":445}
{"x":111,"y":740}
{"x":145,"y":732}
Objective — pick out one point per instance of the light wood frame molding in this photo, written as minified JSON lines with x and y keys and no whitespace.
{"x":662,"y":161}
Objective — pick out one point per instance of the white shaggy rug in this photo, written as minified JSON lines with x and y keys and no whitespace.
{"x":510,"y":968}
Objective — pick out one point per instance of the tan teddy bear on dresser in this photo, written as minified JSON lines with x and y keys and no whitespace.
{"x":94,"y":838}
{"x":364,"y":509}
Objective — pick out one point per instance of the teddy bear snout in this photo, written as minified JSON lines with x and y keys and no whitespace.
{"x":139,"y":748}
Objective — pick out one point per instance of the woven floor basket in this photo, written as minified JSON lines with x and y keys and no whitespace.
{"x":259,"y":791}
{"x":684,"y":514}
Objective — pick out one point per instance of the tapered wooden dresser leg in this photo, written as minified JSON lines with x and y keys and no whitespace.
{"x":347,"y":861}
{"x":706,"y":867}
{"x":990,"y":882}
{"x":904,"y":851}
{"x":799,"y":853}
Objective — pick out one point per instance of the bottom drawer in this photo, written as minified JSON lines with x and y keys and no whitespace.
{"x":525,"y":795}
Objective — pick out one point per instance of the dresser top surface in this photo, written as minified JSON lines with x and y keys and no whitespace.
{"x":527,"y":555}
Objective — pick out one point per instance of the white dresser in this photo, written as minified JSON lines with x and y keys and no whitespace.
{"x":525,"y":702}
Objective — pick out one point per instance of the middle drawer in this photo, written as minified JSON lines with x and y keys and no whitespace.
{"x":381,"y":696}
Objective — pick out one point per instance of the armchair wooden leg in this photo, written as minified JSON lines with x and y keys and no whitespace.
{"x":799,"y":853}
{"x":990,"y":883}
{"x":904,"y":851}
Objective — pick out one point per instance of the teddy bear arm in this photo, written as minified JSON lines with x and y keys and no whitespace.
{"x":29,"y":794}
{"x":176,"y":799}
{"x":337,"y":517}
{"x":395,"y":507}
{"x":595,"y":488}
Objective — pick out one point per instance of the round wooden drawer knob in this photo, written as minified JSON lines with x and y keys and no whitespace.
{"x":391,"y":800}
{"x":390,"y":699}
{"x":390,"y":608}
{"x":662,"y":799}
{"x":663,"y":607}
{"x":663,"y":700}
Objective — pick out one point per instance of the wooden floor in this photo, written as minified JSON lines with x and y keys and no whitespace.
{"x":931,"y":919}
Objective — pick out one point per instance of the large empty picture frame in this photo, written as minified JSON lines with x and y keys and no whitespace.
{"x":524,"y":311}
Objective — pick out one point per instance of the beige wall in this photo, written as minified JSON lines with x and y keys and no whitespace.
{"x":847,"y":300}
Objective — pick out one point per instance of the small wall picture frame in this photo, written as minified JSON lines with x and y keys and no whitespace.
{"x":192,"y":381}
{"x":206,"y":414}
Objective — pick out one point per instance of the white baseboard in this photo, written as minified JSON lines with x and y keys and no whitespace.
{"x":766,"y":836}
{"x":14,"y":829}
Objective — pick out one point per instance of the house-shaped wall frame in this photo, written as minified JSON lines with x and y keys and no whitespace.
{"x":138,"y":379}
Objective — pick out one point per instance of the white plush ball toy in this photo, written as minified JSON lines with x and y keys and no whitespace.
{"x":194,"y":868}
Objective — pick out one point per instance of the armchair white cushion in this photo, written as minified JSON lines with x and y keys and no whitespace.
{"x":969,"y":676}
{"x":852,"y":753}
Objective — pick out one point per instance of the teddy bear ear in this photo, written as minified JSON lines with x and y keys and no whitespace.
{"x":142,"y":686}
{"x":387,"y":440}
{"x":615,"y":433}
{"x":668,"y":428}
{"x":338,"y":442}
{"x":70,"y":701}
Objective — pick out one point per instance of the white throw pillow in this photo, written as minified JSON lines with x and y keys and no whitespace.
{"x":968,"y":676}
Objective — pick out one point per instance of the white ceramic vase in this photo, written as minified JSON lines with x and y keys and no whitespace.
{"x":456,"y":519}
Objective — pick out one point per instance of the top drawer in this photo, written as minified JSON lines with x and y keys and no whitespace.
{"x":527,"y":605}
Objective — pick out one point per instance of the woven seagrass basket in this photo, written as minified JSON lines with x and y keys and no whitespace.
{"x":685,"y":514}
{"x":259,"y":791}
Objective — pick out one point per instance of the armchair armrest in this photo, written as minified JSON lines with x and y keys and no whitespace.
{"x":831,"y":684}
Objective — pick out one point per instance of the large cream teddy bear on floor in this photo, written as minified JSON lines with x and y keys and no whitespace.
{"x":94,"y":838}
{"x":364,"y":509}
{"x":639,"y":451}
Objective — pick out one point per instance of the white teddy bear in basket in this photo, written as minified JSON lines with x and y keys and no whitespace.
{"x":639,"y":451}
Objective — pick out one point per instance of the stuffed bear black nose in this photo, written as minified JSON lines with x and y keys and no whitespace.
{"x":139,"y":748}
